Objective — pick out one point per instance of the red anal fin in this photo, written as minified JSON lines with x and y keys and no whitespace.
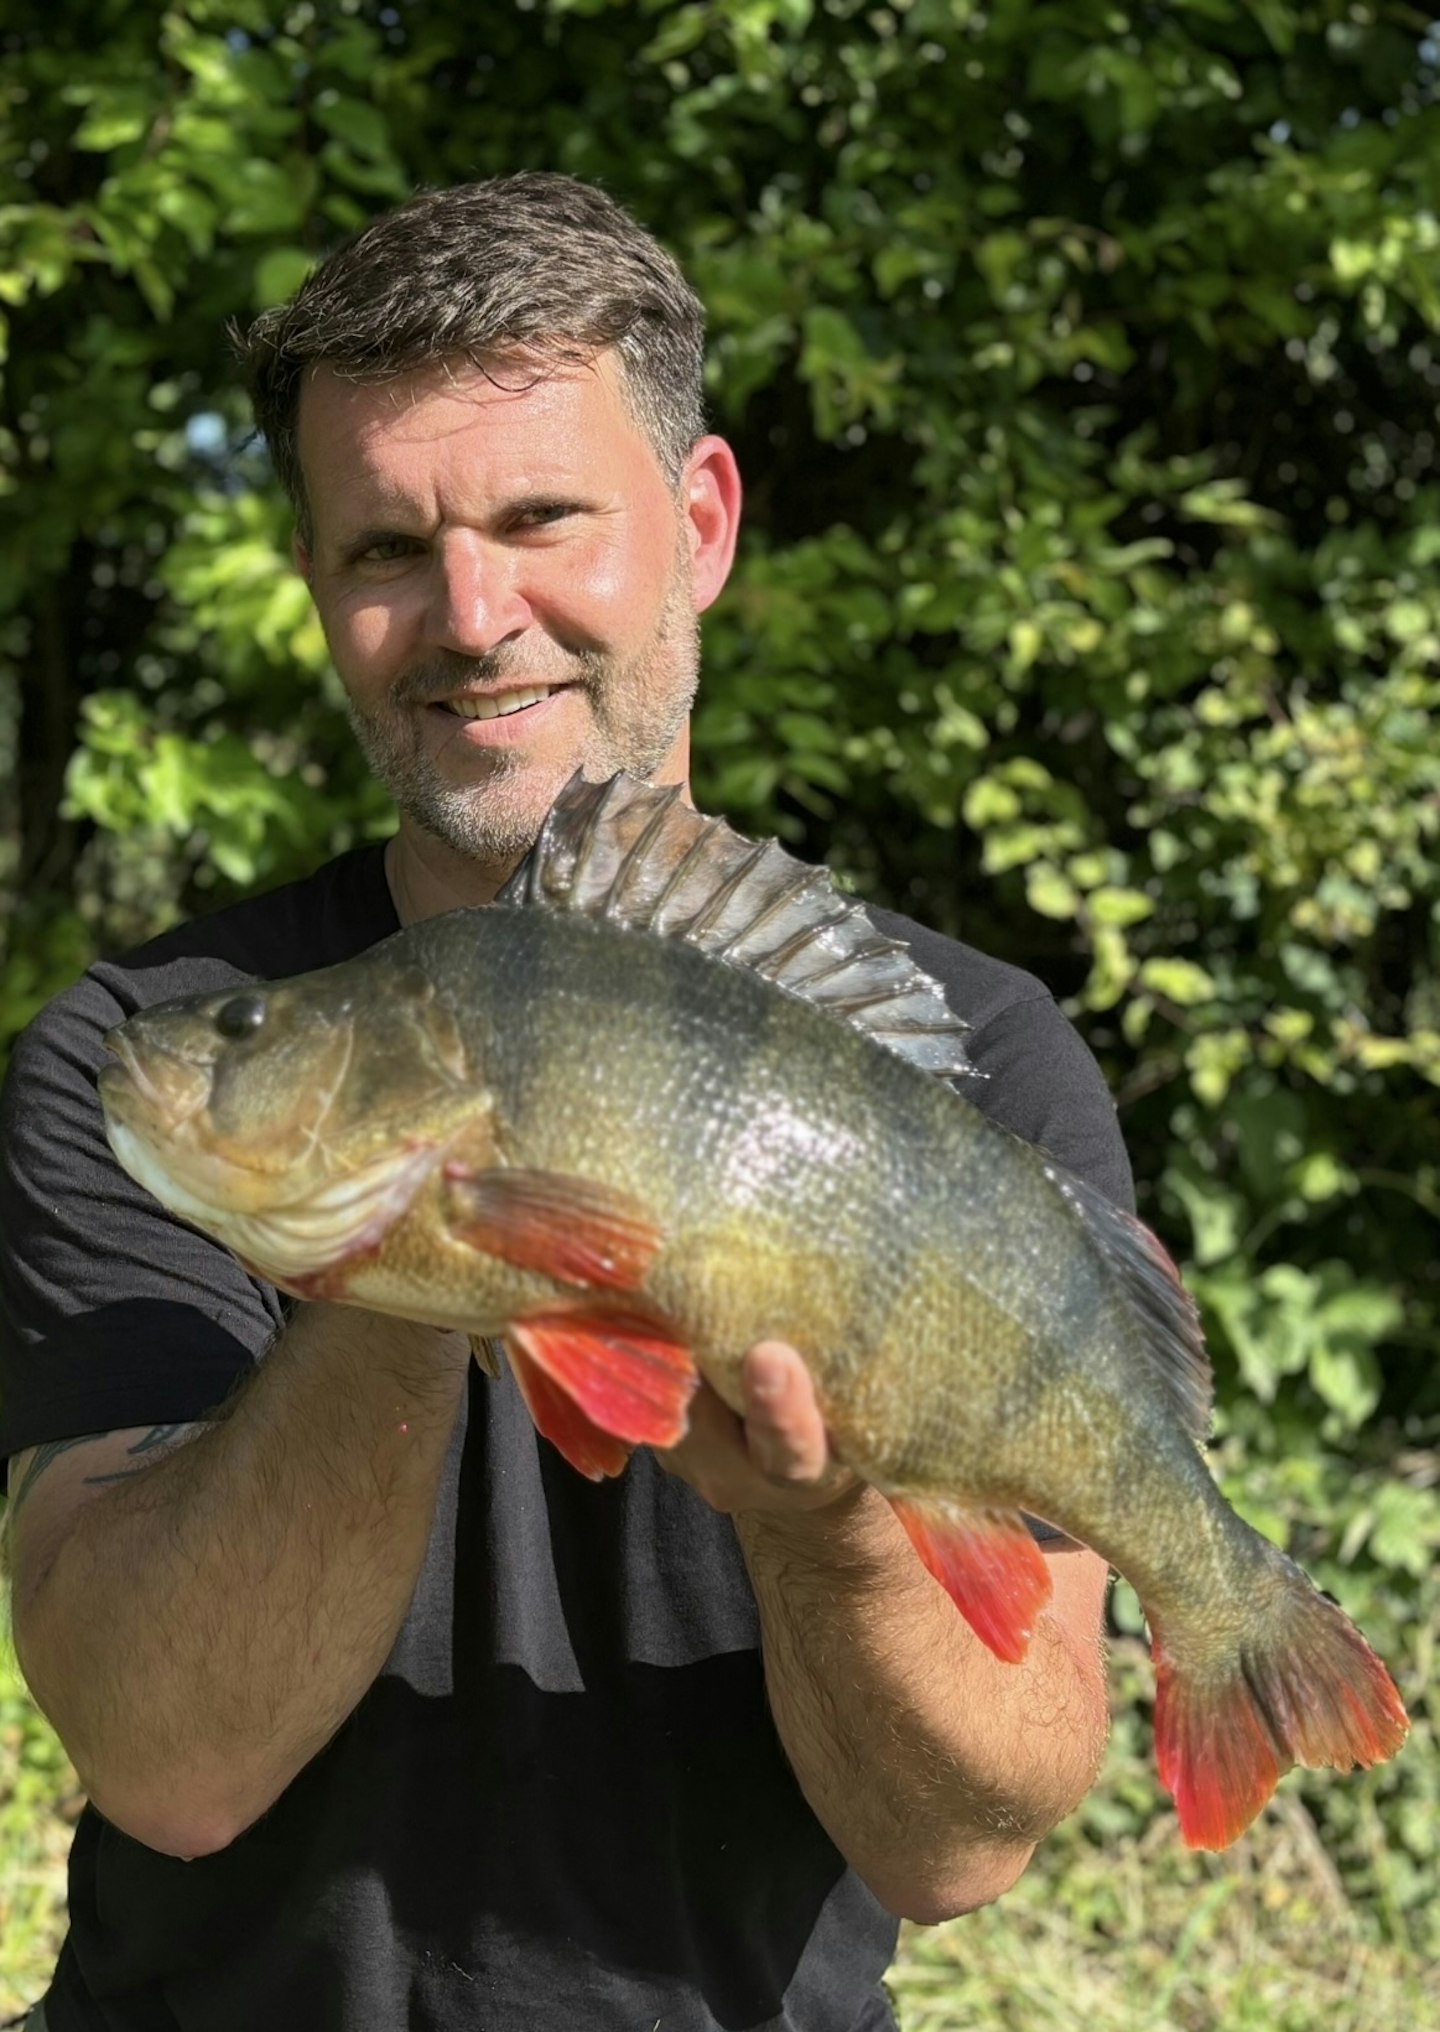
{"x":559,"y":1419}
{"x":988,"y":1564}
{"x":630,"y":1376}
{"x":566,"y":1228}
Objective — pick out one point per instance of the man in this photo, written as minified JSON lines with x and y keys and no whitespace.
{"x":452,"y":1736}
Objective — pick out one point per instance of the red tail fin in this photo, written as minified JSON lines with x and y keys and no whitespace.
{"x":1305,"y":1688}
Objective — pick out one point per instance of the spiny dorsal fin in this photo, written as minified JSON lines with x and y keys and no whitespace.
{"x":1169,"y":1316}
{"x":640,"y":857}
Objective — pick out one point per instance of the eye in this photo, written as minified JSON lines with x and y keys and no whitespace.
{"x":374,"y":548}
{"x":240,"y":1016}
{"x":385,"y":549}
{"x":544,"y":514}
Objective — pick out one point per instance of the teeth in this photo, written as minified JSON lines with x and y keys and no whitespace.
{"x":497,"y":708}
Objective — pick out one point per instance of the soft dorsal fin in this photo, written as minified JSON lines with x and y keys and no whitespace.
{"x":640,"y":857}
{"x":1174,"y":1339}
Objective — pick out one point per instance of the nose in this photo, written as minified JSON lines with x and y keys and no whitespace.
{"x":476,"y":601}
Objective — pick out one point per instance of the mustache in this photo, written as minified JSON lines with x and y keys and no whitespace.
{"x":438,"y":676}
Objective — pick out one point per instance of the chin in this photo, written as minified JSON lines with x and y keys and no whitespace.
{"x":497,"y":821}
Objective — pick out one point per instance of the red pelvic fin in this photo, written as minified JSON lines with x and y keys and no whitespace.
{"x":988,"y":1564}
{"x":630,"y":1377}
{"x":1304,"y":1689}
{"x":566,"y":1228}
{"x":559,"y":1419}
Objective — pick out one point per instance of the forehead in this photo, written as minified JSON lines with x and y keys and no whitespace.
{"x":521,"y":419}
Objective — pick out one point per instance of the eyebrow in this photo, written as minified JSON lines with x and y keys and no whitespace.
{"x":533,"y":498}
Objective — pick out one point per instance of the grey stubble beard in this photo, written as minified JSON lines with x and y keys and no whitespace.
{"x":637,"y":708}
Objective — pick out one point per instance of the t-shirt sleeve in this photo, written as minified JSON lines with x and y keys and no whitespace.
{"x":1041,"y":1082}
{"x":112,"y":1314}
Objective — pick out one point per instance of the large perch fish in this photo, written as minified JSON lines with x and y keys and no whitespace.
{"x":672,"y":1095}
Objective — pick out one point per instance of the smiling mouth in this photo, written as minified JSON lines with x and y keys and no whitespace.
{"x":498,"y":706}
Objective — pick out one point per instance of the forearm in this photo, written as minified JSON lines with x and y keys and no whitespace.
{"x":934,"y":1767}
{"x":207,"y":1623}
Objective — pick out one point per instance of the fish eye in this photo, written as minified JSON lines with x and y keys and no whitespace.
{"x":240,"y":1016}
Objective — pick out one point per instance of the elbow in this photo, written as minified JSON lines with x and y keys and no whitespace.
{"x":179,"y":1806}
{"x":981,"y":1871}
{"x":976,"y":1877}
{"x":160,"y":1809}
{"x":975,"y":1866}
{"x":165,"y":1820}
{"x":987,"y":1879}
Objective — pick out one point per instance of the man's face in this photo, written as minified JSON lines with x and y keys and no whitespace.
{"x":505,"y":580}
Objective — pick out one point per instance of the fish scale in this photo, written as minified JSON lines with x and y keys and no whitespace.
{"x":688,"y":1116}
{"x":673,"y":1095}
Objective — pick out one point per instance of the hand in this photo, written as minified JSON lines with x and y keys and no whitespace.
{"x":776,"y":1457}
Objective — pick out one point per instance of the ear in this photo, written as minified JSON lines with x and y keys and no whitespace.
{"x":710,"y":494}
{"x":304,"y":563}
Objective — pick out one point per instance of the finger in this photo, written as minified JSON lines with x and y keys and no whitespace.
{"x":712,"y":1431}
{"x":783,"y":1424}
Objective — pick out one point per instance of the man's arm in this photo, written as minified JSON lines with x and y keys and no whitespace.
{"x":198,"y":1625}
{"x":934,"y":1767}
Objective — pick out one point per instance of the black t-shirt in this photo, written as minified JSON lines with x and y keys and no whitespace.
{"x":563,"y":1802}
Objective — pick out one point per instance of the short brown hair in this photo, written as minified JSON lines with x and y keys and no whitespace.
{"x":535,"y":268}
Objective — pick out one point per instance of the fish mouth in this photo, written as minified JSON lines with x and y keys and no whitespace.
{"x":158,"y":1083}
{"x":284,"y":1228}
{"x":161,"y":1145}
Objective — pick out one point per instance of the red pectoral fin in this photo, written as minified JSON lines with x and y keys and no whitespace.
{"x":563,"y":1227}
{"x":630,"y":1376}
{"x":988,"y":1564}
{"x":559,"y":1418}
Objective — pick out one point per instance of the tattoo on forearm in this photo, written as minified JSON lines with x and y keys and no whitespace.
{"x":158,"y":1438}
{"x":50,"y":1451}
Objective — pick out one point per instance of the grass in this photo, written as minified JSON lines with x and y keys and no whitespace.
{"x":1115,"y":1928}
{"x":1143,"y":1937}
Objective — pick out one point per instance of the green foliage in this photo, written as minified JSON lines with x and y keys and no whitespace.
{"x":1083,"y":363}
{"x":38,"y":1805}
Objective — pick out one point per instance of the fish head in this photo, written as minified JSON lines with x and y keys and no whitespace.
{"x":294,"y":1120}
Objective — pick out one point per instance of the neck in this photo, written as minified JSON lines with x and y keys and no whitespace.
{"x":428,"y":878}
